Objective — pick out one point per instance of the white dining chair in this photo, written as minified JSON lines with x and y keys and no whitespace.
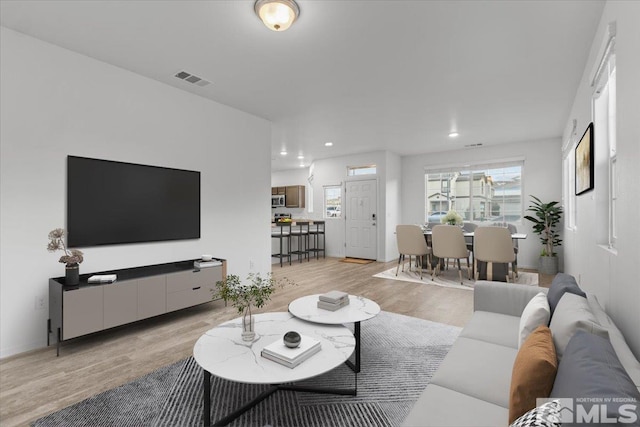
{"x":447,"y":241}
{"x":493,"y":245}
{"x":412,"y":242}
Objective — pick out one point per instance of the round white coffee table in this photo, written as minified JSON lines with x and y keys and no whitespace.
{"x":358,"y":310}
{"x":222,"y":352}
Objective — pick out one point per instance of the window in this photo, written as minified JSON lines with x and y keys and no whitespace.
{"x":477,"y":192}
{"x":333,"y":201}
{"x":604,"y":120}
{"x":361,"y":170}
{"x":569,"y":180}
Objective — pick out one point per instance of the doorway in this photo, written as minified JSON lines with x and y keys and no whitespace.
{"x":361,"y":204}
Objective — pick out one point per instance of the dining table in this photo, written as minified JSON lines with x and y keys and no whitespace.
{"x":515,"y":236}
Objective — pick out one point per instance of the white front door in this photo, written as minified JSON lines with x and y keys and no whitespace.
{"x":361,"y":218}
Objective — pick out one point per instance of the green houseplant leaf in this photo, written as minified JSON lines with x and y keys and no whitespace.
{"x":546,"y":218}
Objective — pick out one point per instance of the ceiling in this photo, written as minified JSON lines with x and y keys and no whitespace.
{"x":366,"y":75}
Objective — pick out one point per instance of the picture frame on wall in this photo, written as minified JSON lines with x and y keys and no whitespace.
{"x":584,"y":162}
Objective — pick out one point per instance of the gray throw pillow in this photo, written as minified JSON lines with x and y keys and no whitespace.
{"x":562,"y":283}
{"x":572,"y":314}
{"x":591,"y":374}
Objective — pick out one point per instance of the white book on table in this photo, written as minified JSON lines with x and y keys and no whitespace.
{"x":308,"y":346}
{"x":331,"y":306}
{"x":289,"y":364}
{"x":206,"y":264}
{"x":102,"y":278}
{"x":334,"y":296}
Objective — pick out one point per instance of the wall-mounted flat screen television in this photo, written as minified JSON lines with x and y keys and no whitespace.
{"x":111,"y":202}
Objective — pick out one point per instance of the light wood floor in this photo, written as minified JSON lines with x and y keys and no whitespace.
{"x":37,"y":383}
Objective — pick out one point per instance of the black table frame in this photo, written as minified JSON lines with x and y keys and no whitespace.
{"x":206,"y":415}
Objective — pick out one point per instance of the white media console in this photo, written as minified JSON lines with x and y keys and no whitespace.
{"x":139,"y":293}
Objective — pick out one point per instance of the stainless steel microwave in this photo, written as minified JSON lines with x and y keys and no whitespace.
{"x":277,"y":201}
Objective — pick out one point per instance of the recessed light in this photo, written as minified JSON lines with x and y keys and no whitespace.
{"x":283,"y":153}
{"x":328,"y":144}
{"x":301,"y":165}
{"x":300,"y":157}
{"x":453,"y":134}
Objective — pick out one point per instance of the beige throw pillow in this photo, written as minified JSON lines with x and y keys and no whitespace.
{"x":536,"y":313}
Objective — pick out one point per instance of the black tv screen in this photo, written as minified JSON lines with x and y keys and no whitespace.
{"x":112,"y":202}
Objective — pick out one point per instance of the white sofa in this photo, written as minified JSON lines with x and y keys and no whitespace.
{"x":472,"y":385}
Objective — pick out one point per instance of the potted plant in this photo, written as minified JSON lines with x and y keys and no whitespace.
{"x":452,"y":218}
{"x":546,"y":219}
{"x":71,"y":258}
{"x":256,"y":291}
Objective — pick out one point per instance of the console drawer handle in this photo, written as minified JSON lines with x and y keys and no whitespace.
{"x":195,"y":289}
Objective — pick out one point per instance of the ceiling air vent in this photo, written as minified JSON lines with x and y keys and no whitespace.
{"x":479,"y":144}
{"x":193,"y":79}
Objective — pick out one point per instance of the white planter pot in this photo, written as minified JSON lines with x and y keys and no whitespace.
{"x":548,"y":265}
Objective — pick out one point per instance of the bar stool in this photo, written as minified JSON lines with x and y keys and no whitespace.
{"x":282,"y":231}
{"x":315,"y":234}
{"x":302,"y":233}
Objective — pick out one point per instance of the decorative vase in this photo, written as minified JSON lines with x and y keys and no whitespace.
{"x":72,"y":274}
{"x":248,"y":325}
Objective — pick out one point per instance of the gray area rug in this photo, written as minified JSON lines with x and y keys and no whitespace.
{"x":399,"y":356}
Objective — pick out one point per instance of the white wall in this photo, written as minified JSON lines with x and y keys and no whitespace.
{"x":612,"y":275}
{"x":541,"y":178}
{"x":54,"y":103}
{"x":393,"y":203}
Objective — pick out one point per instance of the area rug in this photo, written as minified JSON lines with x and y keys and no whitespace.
{"x":447,"y":278}
{"x":357,"y":260}
{"x":399,"y":356}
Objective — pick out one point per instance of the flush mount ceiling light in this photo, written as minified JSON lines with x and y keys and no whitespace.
{"x":328,"y":144}
{"x":453,"y":134}
{"x":283,"y":153}
{"x":277,"y":15}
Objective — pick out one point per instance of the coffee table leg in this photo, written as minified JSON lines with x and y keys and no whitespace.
{"x":206,"y":415}
{"x":356,"y":332}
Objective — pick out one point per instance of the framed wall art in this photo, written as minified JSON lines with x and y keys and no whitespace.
{"x":584,"y":162}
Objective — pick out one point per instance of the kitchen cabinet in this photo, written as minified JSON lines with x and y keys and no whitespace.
{"x":278,"y":191}
{"x":294,"y":196}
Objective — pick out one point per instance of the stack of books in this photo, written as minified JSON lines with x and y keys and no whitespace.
{"x":333,"y":300}
{"x":204,"y":264}
{"x":105,"y":278}
{"x":291,"y":357}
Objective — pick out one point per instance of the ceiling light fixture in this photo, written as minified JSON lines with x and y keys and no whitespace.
{"x":300,"y":157}
{"x":328,"y":144}
{"x":283,"y":153}
{"x":277,"y":15}
{"x":453,"y":134}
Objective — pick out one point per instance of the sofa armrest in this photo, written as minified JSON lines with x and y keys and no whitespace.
{"x":503,"y":298}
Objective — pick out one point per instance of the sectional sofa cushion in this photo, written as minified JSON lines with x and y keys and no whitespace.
{"x":572,"y":314}
{"x":439,"y":406}
{"x":627,"y":358}
{"x":561,"y":284}
{"x":478,"y":369}
{"x":494,"y":328}
{"x":590,"y":368}
{"x":533,"y":372}
{"x":535,"y":314}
